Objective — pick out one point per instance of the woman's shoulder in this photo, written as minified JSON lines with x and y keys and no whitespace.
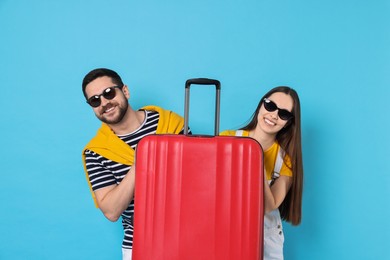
{"x":228,"y":132}
{"x":234,"y":132}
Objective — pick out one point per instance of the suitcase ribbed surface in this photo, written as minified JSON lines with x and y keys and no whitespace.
{"x":198,"y":198}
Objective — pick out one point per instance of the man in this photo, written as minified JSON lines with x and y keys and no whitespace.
{"x":108,"y":158}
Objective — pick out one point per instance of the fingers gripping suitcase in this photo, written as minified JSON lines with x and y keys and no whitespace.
{"x":198,"y":197}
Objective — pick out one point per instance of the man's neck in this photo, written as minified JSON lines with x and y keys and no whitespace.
{"x":130,"y":122}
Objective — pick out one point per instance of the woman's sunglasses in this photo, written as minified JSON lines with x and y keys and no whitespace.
{"x":270,"y":106}
{"x":108,"y":93}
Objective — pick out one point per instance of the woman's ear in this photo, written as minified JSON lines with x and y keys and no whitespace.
{"x":289,"y":122}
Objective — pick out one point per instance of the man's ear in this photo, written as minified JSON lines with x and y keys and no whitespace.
{"x":126,"y":91}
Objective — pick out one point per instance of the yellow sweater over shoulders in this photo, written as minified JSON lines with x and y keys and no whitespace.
{"x":107,"y":144}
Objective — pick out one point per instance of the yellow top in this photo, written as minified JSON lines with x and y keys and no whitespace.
{"x":107,"y":144}
{"x":270,"y":156}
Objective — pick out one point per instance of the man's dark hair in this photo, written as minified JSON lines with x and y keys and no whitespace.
{"x":98,"y":73}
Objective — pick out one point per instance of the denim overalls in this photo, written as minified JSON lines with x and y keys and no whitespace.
{"x":273,"y":229}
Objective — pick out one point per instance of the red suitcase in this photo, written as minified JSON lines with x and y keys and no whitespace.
{"x":198,"y":197}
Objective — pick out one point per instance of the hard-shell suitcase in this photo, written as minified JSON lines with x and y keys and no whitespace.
{"x":198,"y":197}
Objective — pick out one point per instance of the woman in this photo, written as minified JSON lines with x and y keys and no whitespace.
{"x":276,"y":126}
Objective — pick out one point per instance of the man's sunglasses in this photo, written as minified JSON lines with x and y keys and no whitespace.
{"x":270,"y":106}
{"x":108,"y":93}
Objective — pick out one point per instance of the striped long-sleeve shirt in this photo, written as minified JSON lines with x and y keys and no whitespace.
{"x":103,"y":172}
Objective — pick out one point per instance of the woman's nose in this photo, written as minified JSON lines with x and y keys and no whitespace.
{"x":274,"y":114}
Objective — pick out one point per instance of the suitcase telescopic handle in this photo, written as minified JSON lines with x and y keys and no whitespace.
{"x":202,"y":81}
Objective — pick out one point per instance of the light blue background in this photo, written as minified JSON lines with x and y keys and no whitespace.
{"x":336,"y":54}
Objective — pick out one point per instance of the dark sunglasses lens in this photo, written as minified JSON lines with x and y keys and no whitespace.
{"x":284,"y":114}
{"x":269,"y":105}
{"x":94,"y":101}
{"x":109,"y":93}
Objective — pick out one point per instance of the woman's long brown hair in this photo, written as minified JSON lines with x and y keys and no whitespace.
{"x":289,"y":138}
